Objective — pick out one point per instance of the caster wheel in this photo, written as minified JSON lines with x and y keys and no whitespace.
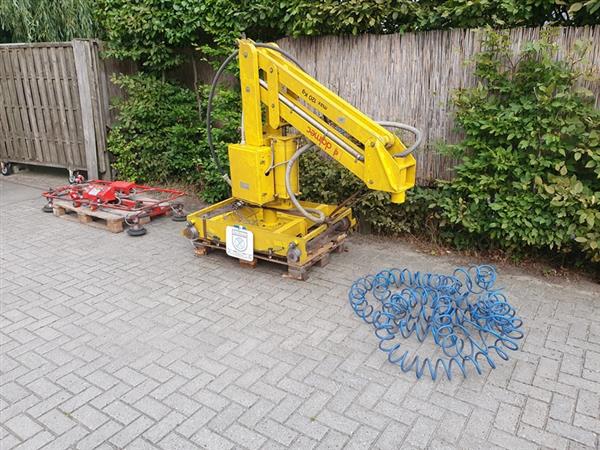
{"x":47,"y":209}
{"x":136,"y":231}
{"x":6,"y":169}
{"x":76,"y":178}
{"x":178,"y":218}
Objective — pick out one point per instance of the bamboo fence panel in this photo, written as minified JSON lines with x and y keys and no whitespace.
{"x":411,"y":77}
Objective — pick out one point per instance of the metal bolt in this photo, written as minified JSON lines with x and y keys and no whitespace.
{"x":372,"y":144}
{"x":245,"y":54}
{"x":247,"y":88}
{"x":270,"y":69}
{"x":370,"y":181}
{"x":272,"y":105}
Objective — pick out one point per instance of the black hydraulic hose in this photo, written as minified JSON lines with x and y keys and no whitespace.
{"x":211,"y":95}
{"x":212,"y":92}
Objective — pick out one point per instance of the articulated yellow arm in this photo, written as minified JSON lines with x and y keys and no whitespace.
{"x":292,"y":97}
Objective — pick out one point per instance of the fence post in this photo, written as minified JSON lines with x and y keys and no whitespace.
{"x":82,"y":57}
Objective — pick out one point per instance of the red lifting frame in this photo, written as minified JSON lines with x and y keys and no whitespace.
{"x":125,"y":196}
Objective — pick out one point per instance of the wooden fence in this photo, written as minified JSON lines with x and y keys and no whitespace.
{"x":411,"y":77}
{"x":54,"y":105}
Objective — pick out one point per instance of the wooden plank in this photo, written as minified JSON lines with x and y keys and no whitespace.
{"x":97,"y":77}
{"x":21,"y":105}
{"x":103,"y":76}
{"x":21,"y":59}
{"x":71,"y":125}
{"x":112,"y":225}
{"x":5,"y":124}
{"x":44,"y":109}
{"x":81,"y":53}
{"x":36,"y":107}
{"x":46,"y":86}
{"x":57,"y":91}
{"x":74,"y":87}
{"x":14,"y":117}
{"x":100,"y":214}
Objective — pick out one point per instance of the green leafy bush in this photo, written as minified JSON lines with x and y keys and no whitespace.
{"x":324,"y":180}
{"x":153,"y":32}
{"x":160,"y":137}
{"x":530,"y":174}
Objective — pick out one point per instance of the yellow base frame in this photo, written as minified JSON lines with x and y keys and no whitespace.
{"x":275,"y":230}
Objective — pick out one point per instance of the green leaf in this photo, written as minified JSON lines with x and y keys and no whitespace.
{"x":575,"y":7}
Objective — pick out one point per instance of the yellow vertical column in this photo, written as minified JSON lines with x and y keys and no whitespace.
{"x":283,"y":149}
{"x":253,"y":127}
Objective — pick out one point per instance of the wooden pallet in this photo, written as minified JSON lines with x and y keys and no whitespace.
{"x":319,"y":257}
{"x":112,"y":221}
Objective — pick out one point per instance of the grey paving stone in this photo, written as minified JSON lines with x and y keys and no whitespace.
{"x":23,"y":426}
{"x":562,"y":408}
{"x":195,"y":422}
{"x":276,"y":431}
{"x":89,"y":416}
{"x":97,"y":437}
{"x":131,"y":431}
{"x":121,"y":412}
{"x":507,"y":418}
{"x":57,"y":421}
{"x":208,"y":439}
{"x":244,"y":436}
{"x":160,"y":429}
{"x":174,"y":441}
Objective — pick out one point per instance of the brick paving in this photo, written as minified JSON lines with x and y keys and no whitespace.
{"x":116,"y":342}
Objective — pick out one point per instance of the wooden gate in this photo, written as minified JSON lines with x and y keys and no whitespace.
{"x":54,"y":106}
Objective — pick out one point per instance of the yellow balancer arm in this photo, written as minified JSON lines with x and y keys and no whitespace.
{"x":292,"y":97}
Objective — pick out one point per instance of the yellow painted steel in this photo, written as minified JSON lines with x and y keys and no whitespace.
{"x":276,"y":94}
{"x":251,"y":179}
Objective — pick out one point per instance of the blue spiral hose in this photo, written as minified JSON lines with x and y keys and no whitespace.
{"x":470,"y":321}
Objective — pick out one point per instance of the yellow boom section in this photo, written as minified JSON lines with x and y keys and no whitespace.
{"x":273,"y":85}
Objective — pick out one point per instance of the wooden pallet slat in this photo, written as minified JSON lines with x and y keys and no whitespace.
{"x":113,"y":221}
{"x":320,"y":257}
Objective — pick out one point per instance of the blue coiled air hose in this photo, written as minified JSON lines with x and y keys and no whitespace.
{"x":469,"y":320}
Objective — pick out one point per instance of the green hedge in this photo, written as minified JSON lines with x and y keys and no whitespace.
{"x":161,"y":137}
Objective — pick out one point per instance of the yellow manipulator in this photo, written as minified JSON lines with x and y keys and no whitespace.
{"x":281,"y":107}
